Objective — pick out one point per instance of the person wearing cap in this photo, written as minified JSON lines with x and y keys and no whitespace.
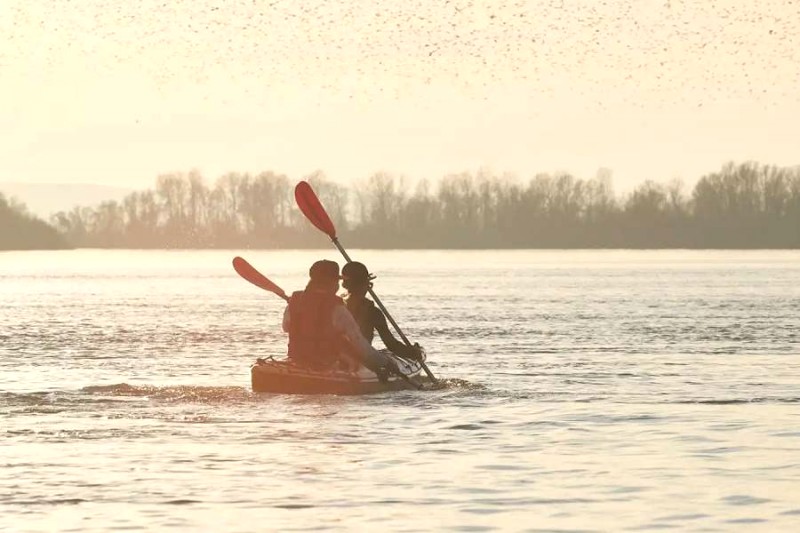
{"x":322,"y":332}
{"x":357,"y":282}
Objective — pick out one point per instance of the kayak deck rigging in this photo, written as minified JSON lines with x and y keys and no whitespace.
{"x":284,"y":376}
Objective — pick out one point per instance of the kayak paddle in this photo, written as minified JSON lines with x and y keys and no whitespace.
{"x":312,"y":208}
{"x":248,"y":272}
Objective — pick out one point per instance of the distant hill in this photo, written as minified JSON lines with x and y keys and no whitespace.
{"x":45,"y":199}
{"x":20,"y":230}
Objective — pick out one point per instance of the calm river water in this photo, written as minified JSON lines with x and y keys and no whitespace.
{"x":588,"y":391}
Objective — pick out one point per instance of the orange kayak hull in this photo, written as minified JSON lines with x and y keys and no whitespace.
{"x":284,"y":377}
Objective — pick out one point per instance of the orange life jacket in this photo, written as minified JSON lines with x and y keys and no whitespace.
{"x":312,"y":340}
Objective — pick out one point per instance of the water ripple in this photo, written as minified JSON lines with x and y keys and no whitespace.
{"x":580,"y":391}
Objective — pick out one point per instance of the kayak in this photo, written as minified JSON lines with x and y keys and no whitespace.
{"x":285,"y":377}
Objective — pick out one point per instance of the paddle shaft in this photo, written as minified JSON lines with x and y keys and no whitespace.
{"x":385,"y":312}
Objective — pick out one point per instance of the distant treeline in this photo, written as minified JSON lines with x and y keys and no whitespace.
{"x":19,"y":230}
{"x":742,"y":206}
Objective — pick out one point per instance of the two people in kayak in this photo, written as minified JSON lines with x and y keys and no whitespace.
{"x":324,"y":331}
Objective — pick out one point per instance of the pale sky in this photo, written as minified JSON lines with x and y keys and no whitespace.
{"x":115,"y":93}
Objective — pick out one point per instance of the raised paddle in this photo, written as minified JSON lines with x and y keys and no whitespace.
{"x":249,"y":272}
{"x":312,"y":208}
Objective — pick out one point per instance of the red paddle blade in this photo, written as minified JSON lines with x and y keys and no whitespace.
{"x":311,"y":207}
{"x":248,"y":272}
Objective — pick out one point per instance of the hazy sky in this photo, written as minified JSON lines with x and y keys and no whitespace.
{"x":113,"y":92}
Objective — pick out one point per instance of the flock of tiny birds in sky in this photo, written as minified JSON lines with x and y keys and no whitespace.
{"x":680,"y":51}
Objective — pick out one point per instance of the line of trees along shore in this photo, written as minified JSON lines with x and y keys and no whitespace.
{"x":745,"y":205}
{"x":19,"y":230}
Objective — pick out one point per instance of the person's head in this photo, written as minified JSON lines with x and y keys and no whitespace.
{"x":324,"y":275}
{"x":356,"y":278}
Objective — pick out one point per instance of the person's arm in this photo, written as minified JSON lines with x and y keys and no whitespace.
{"x":345,"y":324}
{"x":286,"y":319}
{"x":394,"y":345}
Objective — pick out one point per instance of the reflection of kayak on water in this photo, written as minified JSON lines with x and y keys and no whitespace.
{"x":284,"y":376}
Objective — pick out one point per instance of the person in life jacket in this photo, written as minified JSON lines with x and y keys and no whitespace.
{"x":322,"y":332}
{"x":357,"y":282}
